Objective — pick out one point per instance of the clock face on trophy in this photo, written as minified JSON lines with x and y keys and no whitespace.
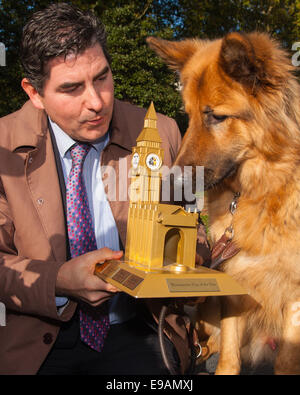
{"x":153,"y":162}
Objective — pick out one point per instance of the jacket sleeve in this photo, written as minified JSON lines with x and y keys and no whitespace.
{"x":175,"y":140}
{"x":27,"y":286}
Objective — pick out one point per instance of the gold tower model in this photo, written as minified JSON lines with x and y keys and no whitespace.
{"x":161,"y":238}
{"x":147,"y":159}
{"x":157,"y":234}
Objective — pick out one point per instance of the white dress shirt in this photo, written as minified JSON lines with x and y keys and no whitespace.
{"x":106,"y":232}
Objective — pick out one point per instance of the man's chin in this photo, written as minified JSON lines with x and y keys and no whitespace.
{"x":94,"y":134}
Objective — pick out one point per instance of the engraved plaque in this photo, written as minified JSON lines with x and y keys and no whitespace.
{"x":140,"y":283}
{"x":110,"y":269}
{"x":132,"y":281}
{"x":192,"y":285}
{"x":121,"y":276}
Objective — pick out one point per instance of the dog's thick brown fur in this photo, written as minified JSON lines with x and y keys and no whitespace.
{"x":244,"y":128}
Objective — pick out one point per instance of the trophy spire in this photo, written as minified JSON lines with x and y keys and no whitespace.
{"x":151,"y":118}
{"x":150,"y":132}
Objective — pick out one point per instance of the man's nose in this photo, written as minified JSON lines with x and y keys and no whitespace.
{"x":93,"y":100}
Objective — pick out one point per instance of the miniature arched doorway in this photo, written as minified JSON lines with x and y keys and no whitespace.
{"x":173,"y":247}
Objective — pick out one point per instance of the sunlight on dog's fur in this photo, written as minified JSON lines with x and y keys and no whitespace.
{"x":244,"y":127}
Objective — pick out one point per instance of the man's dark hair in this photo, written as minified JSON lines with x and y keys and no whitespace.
{"x":59,"y":30}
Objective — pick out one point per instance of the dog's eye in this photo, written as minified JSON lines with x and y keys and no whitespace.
{"x":213,"y":118}
{"x":219,"y":118}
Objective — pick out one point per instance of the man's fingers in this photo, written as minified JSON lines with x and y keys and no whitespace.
{"x":105,"y":254}
{"x":99,"y":303}
{"x":111,"y":288}
{"x":97,"y":299}
{"x":117,"y":254}
{"x":95,"y":284}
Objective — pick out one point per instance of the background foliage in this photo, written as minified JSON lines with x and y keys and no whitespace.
{"x":139,"y":75}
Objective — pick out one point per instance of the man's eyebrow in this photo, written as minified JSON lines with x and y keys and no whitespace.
{"x":67,"y":85}
{"x":101,"y":73}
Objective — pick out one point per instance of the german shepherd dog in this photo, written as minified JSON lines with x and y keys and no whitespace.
{"x":242,"y":99}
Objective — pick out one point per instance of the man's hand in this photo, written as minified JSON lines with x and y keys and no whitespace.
{"x":76,"y":277}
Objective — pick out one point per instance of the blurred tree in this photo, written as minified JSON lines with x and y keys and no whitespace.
{"x":139,"y":75}
{"x":214,"y":18}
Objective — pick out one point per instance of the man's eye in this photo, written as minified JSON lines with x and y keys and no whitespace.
{"x":102,"y":77}
{"x":70,"y":89}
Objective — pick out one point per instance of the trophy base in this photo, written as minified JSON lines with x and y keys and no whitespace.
{"x":171,"y":281}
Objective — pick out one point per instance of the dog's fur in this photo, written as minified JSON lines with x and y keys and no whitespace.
{"x":244,"y":128}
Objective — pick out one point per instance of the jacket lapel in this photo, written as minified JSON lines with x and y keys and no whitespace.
{"x":42,"y":178}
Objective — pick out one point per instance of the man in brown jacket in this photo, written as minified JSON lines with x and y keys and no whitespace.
{"x":69,"y":82}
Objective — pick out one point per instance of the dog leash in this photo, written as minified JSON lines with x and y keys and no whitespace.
{"x":225,"y":247}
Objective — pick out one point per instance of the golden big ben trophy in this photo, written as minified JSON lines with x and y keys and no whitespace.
{"x":161,"y":238}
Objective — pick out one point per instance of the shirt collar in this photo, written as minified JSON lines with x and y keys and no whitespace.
{"x":65,"y":142}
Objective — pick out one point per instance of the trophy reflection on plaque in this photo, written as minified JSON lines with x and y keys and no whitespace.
{"x":161,"y":239}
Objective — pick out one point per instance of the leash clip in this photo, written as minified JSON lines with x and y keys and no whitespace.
{"x":229,"y":232}
{"x":233,"y":204}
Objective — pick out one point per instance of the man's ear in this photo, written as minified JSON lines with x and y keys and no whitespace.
{"x":174,"y":53}
{"x":33,"y":94}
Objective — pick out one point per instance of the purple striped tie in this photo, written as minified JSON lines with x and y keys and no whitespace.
{"x":94,"y":326}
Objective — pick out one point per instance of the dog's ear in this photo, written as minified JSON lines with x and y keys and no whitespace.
{"x":174,"y":53}
{"x":250,"y":59}
{"x":238,"y":59}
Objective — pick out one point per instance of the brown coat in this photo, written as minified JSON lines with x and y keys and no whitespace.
{"x":32,"y":228}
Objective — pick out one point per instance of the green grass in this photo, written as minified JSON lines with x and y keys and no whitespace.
{"x":204,"y":219}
